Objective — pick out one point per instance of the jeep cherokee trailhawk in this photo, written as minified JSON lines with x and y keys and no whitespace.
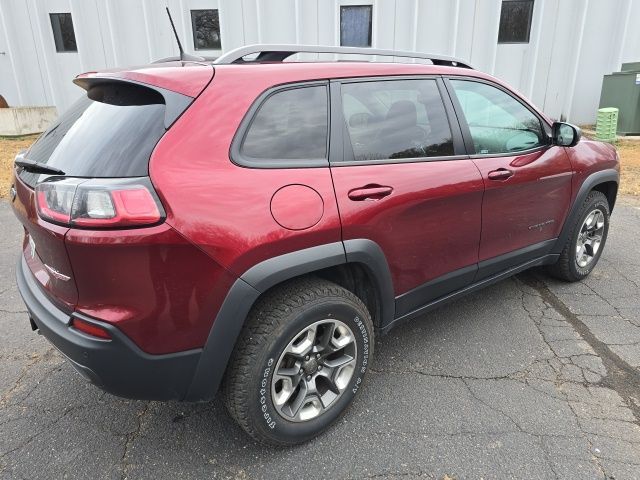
{"x":250,"y":225}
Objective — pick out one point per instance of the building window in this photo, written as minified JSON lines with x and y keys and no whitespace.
{"x":63,"y":34}
{"x":355,"y":25}
{"x":205,"y":25}
{"x":515,"y":21}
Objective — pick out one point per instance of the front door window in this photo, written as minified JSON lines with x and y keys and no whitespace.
{"x":498,"y":123}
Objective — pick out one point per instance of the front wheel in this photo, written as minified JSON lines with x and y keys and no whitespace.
{"x":586,"y":241}
{"x":300,"y":361}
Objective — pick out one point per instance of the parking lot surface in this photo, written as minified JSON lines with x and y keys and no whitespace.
{"x":530,"y":378}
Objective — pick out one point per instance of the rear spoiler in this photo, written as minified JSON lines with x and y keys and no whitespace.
{"x":175,"y":103}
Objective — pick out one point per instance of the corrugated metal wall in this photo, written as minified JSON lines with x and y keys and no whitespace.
{"x":573,"y":43}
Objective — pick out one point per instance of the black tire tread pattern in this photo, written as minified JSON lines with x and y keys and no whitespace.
{"x":270,"y":311}
{"x":561,"y":269}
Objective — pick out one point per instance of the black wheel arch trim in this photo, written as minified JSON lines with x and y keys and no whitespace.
{"x":265,"y":275}
{"x":221,"y":341}
{"x":369,"y":254}
{"x":276,"y":270}
{"x":592,"y":181}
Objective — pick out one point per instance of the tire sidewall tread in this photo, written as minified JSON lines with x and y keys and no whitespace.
{"x":567,"y":268}
{"x":275,"y":319}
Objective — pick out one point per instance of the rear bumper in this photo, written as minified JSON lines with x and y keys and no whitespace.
{"x":117,"y":366}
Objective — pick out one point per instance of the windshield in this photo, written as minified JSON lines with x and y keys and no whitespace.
{"x":109,"y":132}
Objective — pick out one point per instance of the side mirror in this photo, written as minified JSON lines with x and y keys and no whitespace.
{"x":565,"y":134}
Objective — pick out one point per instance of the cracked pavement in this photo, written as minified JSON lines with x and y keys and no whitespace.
{"x":529,"y":378}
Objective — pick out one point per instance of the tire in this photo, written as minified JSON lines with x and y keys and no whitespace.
{"x":276,"y":337}
{"x":568,"y":267}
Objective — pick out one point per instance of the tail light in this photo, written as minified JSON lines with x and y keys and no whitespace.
{"x":98,"y":203}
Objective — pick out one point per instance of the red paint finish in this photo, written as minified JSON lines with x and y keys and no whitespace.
{"x":44,"y":245}
{"x":163,"y":285}
{"x":528,"y":206}
{"x":588,"y":157}
{"x":428,"y":226}
{"x":223,"y":208}
{"x":158,"y":288}
{"x":297,"y":207}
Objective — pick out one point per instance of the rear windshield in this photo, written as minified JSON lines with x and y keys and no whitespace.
{"x":109,"y":132}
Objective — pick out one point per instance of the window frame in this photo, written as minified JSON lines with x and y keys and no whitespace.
{"x":341,"y":155}
{"x":355,"y":5}
{"x":530,"y":21}
{"x":57,"y":15}
{"x":193,"y":29}
{"x":241,"y":160}
{"x":464,"y":126}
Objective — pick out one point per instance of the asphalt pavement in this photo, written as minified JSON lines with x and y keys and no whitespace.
{"x":530,"y":378}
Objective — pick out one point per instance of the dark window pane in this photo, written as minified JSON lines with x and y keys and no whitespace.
{"x":110,"y":132}
{"x":291,"y":124}
{"x":396,"y":119}
{"x":515,"y":21}
{"x":355,"y":26}
{"x":206,"y":29}
{"x":63,"y":34}
{"x":498,"y":122}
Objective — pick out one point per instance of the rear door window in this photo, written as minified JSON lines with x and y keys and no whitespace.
{"x":290,"y":124}
{"x":396,"y":119}
{"x":109,"y":132}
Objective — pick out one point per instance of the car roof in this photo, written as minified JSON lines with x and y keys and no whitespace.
{"x":188,"y":78}
{"x":271,"y":60}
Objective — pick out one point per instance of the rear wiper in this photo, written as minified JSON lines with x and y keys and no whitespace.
{"x":35,"y":167}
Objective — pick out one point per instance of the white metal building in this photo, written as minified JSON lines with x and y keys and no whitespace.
{"x":554,"y":51}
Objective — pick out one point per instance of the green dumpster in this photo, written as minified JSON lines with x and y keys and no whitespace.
{"x":621,"y":90}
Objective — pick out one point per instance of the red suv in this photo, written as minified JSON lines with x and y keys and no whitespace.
{"x":252,"y":224}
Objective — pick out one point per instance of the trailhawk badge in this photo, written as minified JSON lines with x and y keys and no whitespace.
{"x":54,"y":273}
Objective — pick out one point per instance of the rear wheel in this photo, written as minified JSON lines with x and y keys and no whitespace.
{"x":584,"y":246}
{"x":301,"y":358}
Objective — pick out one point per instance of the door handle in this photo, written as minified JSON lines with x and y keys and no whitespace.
{"x":370,"y":192}
{"x":500,"y":174}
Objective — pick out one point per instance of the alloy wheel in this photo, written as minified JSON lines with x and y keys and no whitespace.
{"x":590,"y":238}
{"x":314,"y":370}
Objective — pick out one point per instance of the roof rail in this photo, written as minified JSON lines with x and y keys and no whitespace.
{"x":278,"y":53}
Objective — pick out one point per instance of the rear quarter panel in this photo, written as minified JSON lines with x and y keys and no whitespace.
{"x":222,"y":207}
{"x":158,"y":288}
